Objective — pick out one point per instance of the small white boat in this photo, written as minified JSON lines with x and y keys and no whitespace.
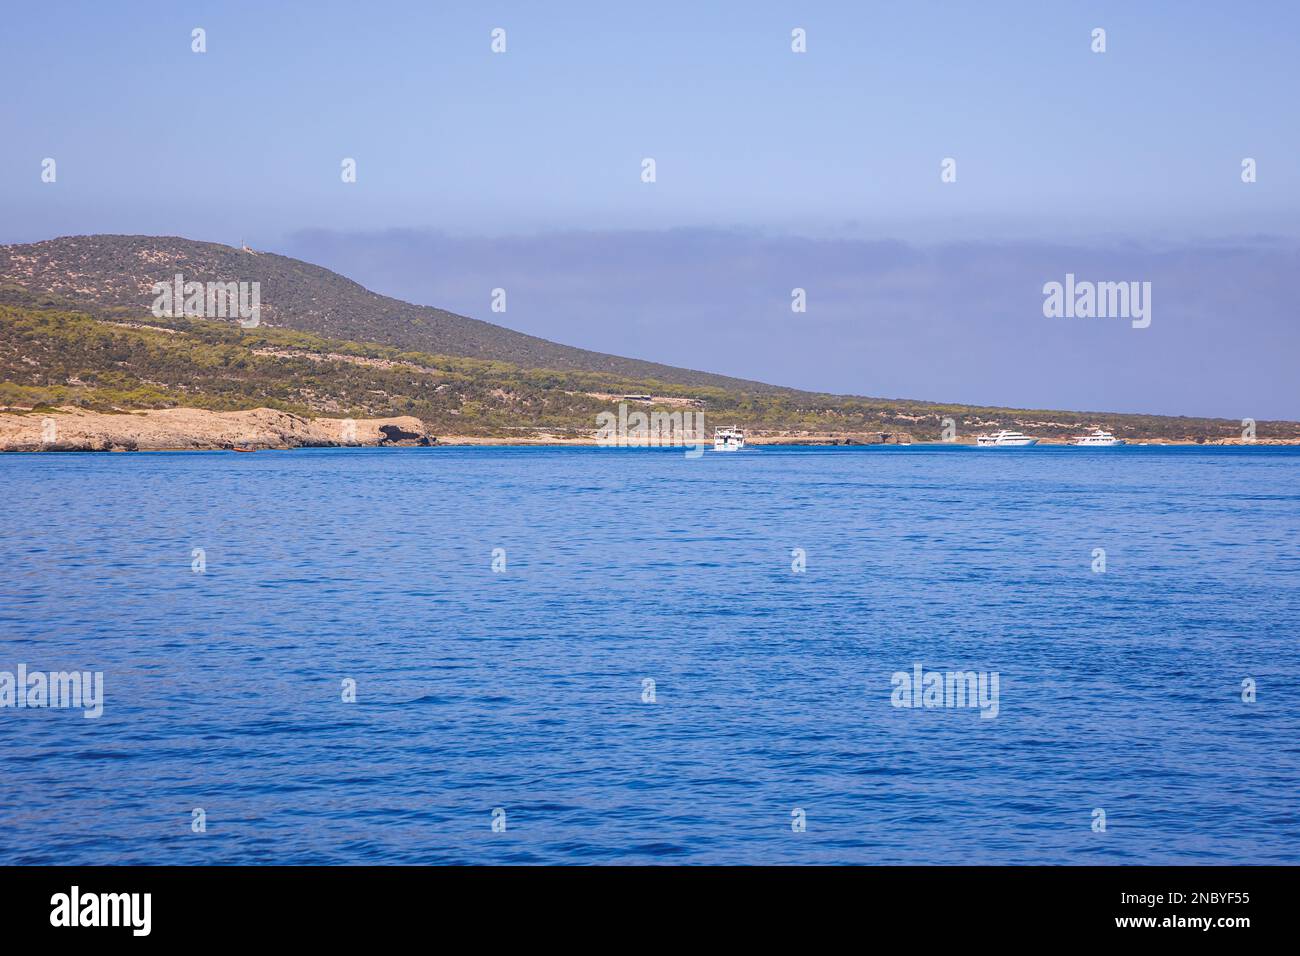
{"x":1098,"y":439}
{"x":728,"y":439}
{"x":1005,"y":439}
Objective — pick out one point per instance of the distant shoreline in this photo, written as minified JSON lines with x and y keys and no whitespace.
{"x":193,"y":429}
{"x":842,"y":442}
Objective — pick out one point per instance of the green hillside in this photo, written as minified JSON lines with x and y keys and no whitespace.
{"x":103,"y":272}
{"x":53,"y":355}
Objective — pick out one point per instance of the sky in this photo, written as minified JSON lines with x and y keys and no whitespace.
{"x":774,"y":170}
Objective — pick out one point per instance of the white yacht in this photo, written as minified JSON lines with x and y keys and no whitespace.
{"x":1098,"y":439}
{"x":728,"y":439}
{"x":1005,"y":439}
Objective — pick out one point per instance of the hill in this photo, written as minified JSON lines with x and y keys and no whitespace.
{"x":105,"y":272}
{"x":76,"y":332}
{"x":55,"y":356}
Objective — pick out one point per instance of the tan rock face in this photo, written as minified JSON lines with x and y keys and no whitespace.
{"x":193,"y":429}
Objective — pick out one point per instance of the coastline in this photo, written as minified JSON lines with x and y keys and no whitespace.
{"x":193,"y":429}
{"x":758,"y":440}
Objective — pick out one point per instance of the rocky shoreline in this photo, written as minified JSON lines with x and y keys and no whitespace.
{"x":194,"y":429}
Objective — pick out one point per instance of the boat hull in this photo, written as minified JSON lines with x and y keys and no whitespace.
{"x":728,"y":439}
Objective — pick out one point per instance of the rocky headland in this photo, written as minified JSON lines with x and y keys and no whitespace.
{"x":195,"y":429}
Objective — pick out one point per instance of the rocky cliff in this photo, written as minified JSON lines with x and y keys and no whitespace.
{"x":196,"y":429}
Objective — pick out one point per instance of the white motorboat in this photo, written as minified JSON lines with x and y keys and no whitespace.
{"x":1005,"y":439}
{"x":1098,"y":439}
{"x":728,"y":439}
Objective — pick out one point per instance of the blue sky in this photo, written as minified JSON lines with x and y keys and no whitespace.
{"x":1128,"y":157}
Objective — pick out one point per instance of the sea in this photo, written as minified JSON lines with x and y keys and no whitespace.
{"x":578,"y":655}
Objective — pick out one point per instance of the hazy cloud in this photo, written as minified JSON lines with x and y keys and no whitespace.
{"x":961,"y":321}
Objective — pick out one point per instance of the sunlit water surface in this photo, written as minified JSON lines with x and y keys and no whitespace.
{"x":523,"y":690}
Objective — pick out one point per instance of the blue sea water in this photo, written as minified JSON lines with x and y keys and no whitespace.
{"x":522,"y":689}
